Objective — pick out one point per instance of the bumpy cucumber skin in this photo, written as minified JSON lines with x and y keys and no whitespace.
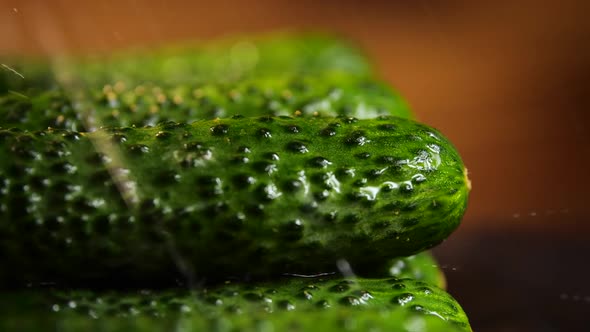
{"x":328,"y":95}
{"x":234,"y":197}
{"x":326,"y":304}
{"x":226,"y":61}
{"x":421,"y":267}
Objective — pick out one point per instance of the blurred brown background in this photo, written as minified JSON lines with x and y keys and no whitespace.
{"x":507,"y":81}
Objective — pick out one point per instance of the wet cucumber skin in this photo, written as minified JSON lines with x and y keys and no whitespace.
{"x":327,"y":95}
{"x":287,"y":304}
{"x":420,"y":267}
{"x":254,"y":197}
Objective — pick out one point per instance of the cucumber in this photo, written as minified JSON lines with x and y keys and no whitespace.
{"x":421,"y":267}
{"x":329,"y":304}
{"x":326,"y":95}
{"x":243,"y":197}
{"x":226,"y":61}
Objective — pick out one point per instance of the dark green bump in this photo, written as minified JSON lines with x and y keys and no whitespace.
{"x":193,"y":146}
{"x":339,"y":288}
{"x":272,"y":156}
{"x":296,"y":146}
{"x":305,"y":295}
{"x":406,"y":187}
{"x":286,"y":305}
{"x":118,"y":138}
{"x":309,"y":207}
{"x":162,"y":135}
{"x":319,"y":162}
{"x":350,"y":219}
{"x":321,"y":196}
{"x":244,"y":149}
{"x":310,"y":287}
{"x":292,"y":230}
{"x":240,"y":160}
{"x":359,"y":183}
{"x":410,"y":222}
{"x":293,"y":129}
{"x":418,"y":178}
{"x":387,"y":127}
{"x":330,"y":216}
{"x":424,"y":290}
{"x":95,"y":158}
{"x":363,"y":295}
{"x":291,"y":186}
{"x":350,"y":120}
{"x":63,"y":167}
{"x":254,"y":297}
{"x":328,"y":132}
{"x":322,"y":304}
{"x":166,"y":177}
{"x":264,"y":133}
{"x":233,"y":309}
{"x":409,"y":206}
{"x":350,"y":301}
{"x":71,"y":136}
{"x":363,"y":155}
{"x":219,"y":130}
{"x":356,"y":138}
{"x":138,"y":149}
{"x":266,"y":119}
{"x":255,"y":210}
{"x":398,"y":285}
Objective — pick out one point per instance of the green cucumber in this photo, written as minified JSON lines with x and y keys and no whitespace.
{"x":421,"y":267}
{"x":226,"y":61}
{"x":253,"y":197}
{"x":326,"y":95}
{"x":328,"y":304}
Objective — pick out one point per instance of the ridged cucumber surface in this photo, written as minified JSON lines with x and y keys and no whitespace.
{"x":328,"y":304}
{"x":326,"y":95}
{"x":225,"y":61}
{"x":232,"y":197}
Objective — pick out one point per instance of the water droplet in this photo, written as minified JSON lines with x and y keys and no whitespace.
{"x":403,"y":299}
{"x":350,"y":301}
